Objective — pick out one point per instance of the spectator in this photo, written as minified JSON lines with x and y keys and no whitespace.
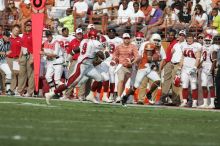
{"x":184,"y":18}
{"x":11,"y":15}
{"x":146,"y":9}
{"x":169,"y":19}
{"x":178,"y":5}
{"x":199,"y":19}
{"x":67,"y":21}
{"x":99,"y":8}
{"x":99,"y":11}
{"x":80,"y":9}
{"x":203,"y":4}
{"x":125,"y":54}
{"x":155,"y":19}
{"x":110,"y":3}
{"x":12,"y":57}
{"x":216,"y":20}
{"x":137,"y":19}
{"x":59,"y":10}
{"x":25,"y":8}
{"x":26,"y":73}
{"x":162,"y":4}
{"x":123,"y":20}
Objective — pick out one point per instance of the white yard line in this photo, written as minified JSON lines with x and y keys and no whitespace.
{"x":115,"y":104}
{"x":26,"y":104}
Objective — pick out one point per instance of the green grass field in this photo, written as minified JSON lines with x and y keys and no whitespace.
{"x":30,"y":122}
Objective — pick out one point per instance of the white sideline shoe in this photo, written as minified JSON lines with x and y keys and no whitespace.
{"x":48,"y":96}
{"x":105,"y":98}
{"x":91,"y":98}
{"x":194,"y":104}
{"x":211,"y":106}
{"x":184,"y":103}
{"x":205,"y":104}
{"x":111,"y":97}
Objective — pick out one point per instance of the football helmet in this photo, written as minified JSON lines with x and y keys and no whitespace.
{"x":156,"y":39}
{"x":103,"y":40}
{"x":139,"y":38}
{"x":93,"y":34}
{"x":207,"y":40}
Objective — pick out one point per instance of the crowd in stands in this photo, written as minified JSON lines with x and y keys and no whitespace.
{"x":70,"y":21}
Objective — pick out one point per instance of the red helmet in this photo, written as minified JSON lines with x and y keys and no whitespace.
{"x":139,"y":35}
{"x":139,"y":38}
{"x":207,"y":40}
{"x":93,"y":34}
{"x":102,"y":39}
{"x":177,"y":81}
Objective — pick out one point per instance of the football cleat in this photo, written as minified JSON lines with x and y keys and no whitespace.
{"x":48,"y":96}
{"x":118,"y":99}
{"x":91,"y":98}
{"x":10,"y":92}
{"x":106,"y":99}
{"x":124,"y":100}
{"x":194,"y":104}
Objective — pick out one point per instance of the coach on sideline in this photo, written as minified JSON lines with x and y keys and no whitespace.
{"x":125,"y":54}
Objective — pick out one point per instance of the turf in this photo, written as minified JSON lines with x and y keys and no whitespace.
{"x":29,"y":122}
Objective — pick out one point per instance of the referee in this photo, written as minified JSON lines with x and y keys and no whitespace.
{"x":5,"y":50}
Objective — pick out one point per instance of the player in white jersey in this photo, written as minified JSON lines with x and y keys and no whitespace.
{"x":189,"y":64}
{"x":64,"y":41}
{"x":208,"y":63}
{"x":84,"y":68}
{"x":112,"y":41}
{"x":54,"y":60}
{"x":138,"y":39}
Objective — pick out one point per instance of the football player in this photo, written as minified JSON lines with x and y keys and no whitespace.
{"x":84,"y":67}
{"x":208,"y":63}
{"x":54,"y":55}
{"x":189,"y":64}
{"x":147,"y":67}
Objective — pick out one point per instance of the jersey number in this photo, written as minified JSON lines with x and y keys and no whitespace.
{"x":84,"y":49}
{"x":189,"y":53}
{"x":204,"y":55}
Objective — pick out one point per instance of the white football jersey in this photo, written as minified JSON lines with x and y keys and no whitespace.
{"x":189,"y":53}
{"x":113,"y":43}
{"x":88,"y":48}
{"x":53,"y":47}
{"x":64,"y":41}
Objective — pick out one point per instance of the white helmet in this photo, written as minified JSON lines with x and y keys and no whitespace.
{"x":207,"y":40}
{"x":156,"y":39}
{"x":139,"y":38}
